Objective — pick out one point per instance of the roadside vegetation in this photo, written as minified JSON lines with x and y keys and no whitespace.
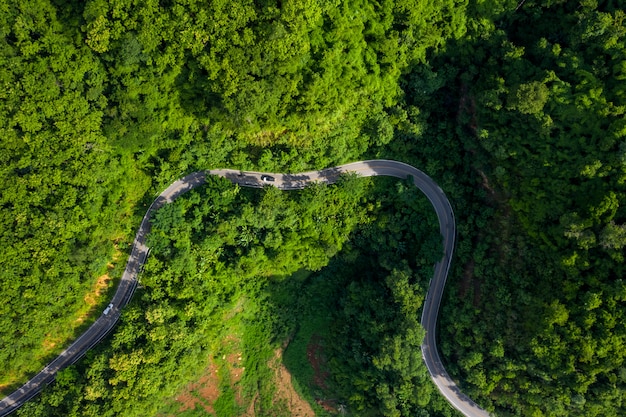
{"x":517,"y":109}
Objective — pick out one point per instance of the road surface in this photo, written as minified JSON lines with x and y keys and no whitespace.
{"x":139,"y":253}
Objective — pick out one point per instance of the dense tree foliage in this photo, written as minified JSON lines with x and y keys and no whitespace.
{"x":517,"y":108}
{"x":61,"y":185}
{"x":534,"y":327}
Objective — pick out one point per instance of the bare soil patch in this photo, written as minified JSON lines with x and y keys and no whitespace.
{"x":100,"y":286}
{"x":250,"y":411}
{"x":284,"y":389}
{"x":315,"y":355}
{"x":50,"y":341}
{"x":318,"y":361}
{"x":207,"y":389}
{"x":203,"y":392}
{"x":91,"y":298}
{"x":235,"y":368}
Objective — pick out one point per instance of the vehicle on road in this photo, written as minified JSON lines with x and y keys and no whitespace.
{"x":267,"y":178}
{"x":106,"y":310}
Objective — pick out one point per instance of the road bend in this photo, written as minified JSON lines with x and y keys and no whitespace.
{"x":139,"y":253}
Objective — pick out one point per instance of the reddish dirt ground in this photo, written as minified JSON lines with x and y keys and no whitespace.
{"x":285,"y":392}
{"x":327,"y":405}
{"x":250,"y":411}
{"x":234,"y":364}
{"x":202,"y":393}
{"x":50,"y":342}
{"x":101,"y":285}
{"x":314,"y":353}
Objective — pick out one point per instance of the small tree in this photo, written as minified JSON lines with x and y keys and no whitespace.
{"x":528,"y":98}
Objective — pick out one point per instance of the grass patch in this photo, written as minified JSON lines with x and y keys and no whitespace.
{"x":225,"y":405}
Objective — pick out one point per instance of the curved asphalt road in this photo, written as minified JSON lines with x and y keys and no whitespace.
{"x":139,"y":253}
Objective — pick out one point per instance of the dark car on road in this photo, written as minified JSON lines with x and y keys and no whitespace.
{"x":267,"y":178}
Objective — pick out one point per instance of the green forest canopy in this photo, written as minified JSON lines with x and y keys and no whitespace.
{"x":516,"y":108}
